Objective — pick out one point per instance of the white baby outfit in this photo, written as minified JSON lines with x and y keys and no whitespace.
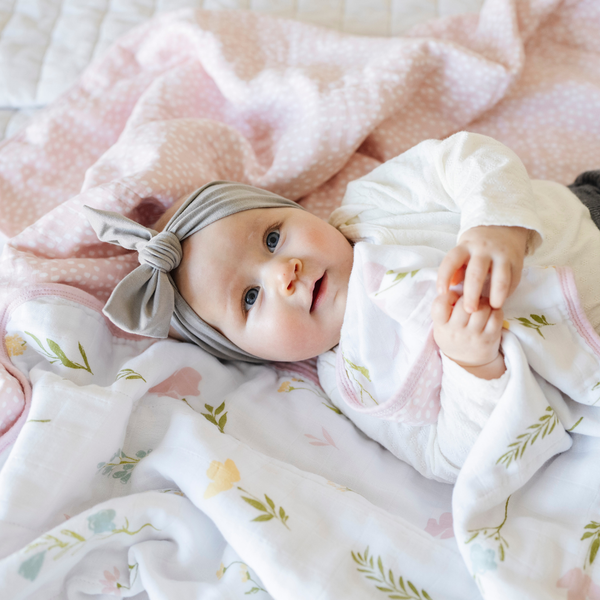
{"x":387,"y":374}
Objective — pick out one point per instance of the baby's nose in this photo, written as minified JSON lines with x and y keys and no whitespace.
{"x":288,"y":275}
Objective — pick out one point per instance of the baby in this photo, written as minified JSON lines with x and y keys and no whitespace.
{"x":247,"y":275}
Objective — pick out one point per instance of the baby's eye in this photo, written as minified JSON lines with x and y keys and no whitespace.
{"x":272,"y":240}
{"x":250,"y":298}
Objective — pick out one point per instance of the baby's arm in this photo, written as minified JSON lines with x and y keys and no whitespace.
{"x":495,"y":250}
{"x":471,"y":340}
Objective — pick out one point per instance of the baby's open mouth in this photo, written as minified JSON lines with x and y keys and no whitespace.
{"x":316,"y":295}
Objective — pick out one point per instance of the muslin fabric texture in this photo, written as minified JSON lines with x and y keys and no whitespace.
{"x":147,"y":301}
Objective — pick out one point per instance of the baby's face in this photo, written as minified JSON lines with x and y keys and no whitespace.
{"x":274,"y":281}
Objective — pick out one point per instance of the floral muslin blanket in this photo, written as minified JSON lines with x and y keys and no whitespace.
{"x":129,"y":467}
{"x":392,"y":381}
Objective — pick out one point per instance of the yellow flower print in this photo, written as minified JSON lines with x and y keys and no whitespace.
{"x":221,"y":571}
{"x":285,"y":386}
{"x":15,"y":345}
{"x":505,"y":324}
{"x":244,"y":573}
{"x":223,"y":476}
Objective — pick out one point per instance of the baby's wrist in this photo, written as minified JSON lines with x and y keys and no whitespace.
{"x":490,"y":370}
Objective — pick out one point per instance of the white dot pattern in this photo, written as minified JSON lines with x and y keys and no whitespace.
{"x":424,"y":404}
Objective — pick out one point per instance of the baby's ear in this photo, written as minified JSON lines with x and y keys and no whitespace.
{"x":166,"y":217}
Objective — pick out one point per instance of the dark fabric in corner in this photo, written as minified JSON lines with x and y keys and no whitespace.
{"x":587,"y":188}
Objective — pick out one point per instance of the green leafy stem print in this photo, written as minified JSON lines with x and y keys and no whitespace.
{"x":545,"y":426}
{"x":213,"y":413}
{"x":388,"y":585}
{"x":539,"y":321}
{"x":129,"y":374}
{"x":364,"y":372}
{"x":268,"y":508}
{"x":594,"y":534}
{"x":579,"y":421}
{"x":287,"y":386}
{"x":245,"y":573}
{"x":399,"y":277}
{"x":125,"y":465}
{"x":55,"y":354}
{"x":493,"y":532}
{"x":66,"y":540}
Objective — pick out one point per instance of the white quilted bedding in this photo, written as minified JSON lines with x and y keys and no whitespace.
{"x":45,"y":44}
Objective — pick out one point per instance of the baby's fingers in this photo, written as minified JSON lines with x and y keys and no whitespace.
{"x":477,"y":271}
{"x":494,"y":324}
{"x":453,"y":261}
{"x":501,"y":284}
{"x":442,"y":307}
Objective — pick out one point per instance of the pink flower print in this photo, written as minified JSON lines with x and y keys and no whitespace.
{"x":318,"y":442}
{"x":580,"y":585}
{"x":182,"y":383}
{"x":373,"y":274}
{"x":110,"y":582}
{"x":444,"y":526}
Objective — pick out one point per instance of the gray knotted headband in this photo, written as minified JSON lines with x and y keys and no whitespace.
{"x":147,"y":301}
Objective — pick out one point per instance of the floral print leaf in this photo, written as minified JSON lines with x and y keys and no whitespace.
{"x":594,"y":550}
{"x":37,"y":342}
{"x":72,"y":534}
{"x":545,"y":426}
{"x":494,"y":533}
{"x":30,"y":569}
{"x":386,"y":583}
{"x":84,"y":356}
{"x":61,"y":355}
{"x":210,"y":416}
{"x":364,"y":372}
{"x":593,"y":532}
{"x":263,"y":518}
{"x":269,"y":509}
{"x":245,"y":573}
{"x":56,"y":354}
{"x":129,"y":374}
{"x":124,"y":467}
{"x":539,"y":322}
{"x":255,"y":503}
{"x":99,"y":523}
{"x":577,"y":423}
{"x":399,"y":277}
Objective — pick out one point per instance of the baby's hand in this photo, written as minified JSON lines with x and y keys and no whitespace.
{"x":470,"y":340}
{"x":481,"y":250}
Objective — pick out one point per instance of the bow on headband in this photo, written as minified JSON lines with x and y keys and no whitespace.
{"x":147,"y":301}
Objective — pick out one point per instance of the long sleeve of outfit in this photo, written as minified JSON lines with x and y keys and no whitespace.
{"x":426,"y":198}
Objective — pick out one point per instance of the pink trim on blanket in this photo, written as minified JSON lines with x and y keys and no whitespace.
{"x":397,"y":407}
{"x":25,"y":295}
{"x":576,"y":312}
{"x":305,"y":368}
